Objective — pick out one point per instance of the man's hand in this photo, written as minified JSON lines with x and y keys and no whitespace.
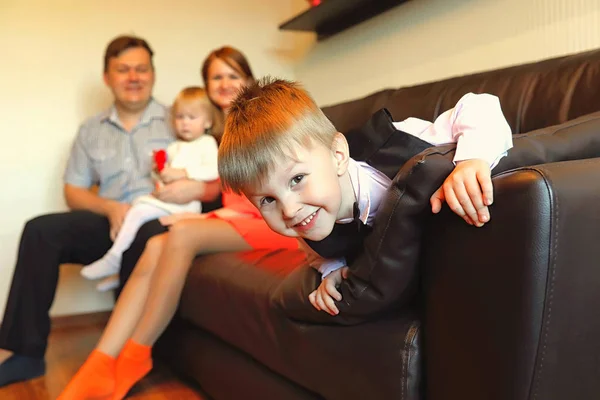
{"x":168,"y":174}
{"x":323,"y":297}
{"x":115,"y":212}
{"x":468,"y":190}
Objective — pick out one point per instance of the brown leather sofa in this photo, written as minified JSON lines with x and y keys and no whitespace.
{"x":434,"y":309}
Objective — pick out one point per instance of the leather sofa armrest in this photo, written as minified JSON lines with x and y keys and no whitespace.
{"x":510,"y":308}
{"x":291,"y":296}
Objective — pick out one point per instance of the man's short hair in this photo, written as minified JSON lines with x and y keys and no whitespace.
{"x":121,"y":43}
{"x":269,"y":119}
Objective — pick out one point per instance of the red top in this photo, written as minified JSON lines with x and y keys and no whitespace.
{"x":252,"y":227}
{"x":240,"y":204}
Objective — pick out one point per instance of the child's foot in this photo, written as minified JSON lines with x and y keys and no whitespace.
{"x":95,"y":378}
{"x":133,"y":364}
{"x":106,"y":266}
{"x":110,"y":283}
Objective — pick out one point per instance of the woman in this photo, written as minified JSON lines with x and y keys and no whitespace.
{"x":150,"y":297}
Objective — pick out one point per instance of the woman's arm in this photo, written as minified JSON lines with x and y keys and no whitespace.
{"x":186,"y":190}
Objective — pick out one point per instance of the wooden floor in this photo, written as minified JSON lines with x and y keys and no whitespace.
{"x":70,"y":343}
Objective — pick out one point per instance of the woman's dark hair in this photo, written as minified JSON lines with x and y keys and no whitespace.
{"x":238,"y":62}
{"x":230,"y":56}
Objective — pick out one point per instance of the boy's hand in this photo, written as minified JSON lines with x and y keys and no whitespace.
{"x":168,"y":174}
{"x":323,"y":297}
{"x":468,"y":190}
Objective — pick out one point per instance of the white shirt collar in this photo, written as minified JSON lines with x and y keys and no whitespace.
{"x":360,"y":186}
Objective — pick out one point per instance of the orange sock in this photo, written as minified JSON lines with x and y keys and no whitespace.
{"x":95,"y":378}
{"x":133,"y":364}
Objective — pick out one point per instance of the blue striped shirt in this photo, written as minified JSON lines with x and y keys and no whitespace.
{"x":119,"y":162}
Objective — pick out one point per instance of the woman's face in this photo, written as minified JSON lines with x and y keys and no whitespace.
{"x":223,"y":83}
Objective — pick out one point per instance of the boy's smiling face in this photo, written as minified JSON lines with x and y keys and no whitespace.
{"x":307,"y":191}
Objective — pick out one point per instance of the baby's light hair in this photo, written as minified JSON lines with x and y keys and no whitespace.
{"x":193,"y":95}
{"x":269,"y":119}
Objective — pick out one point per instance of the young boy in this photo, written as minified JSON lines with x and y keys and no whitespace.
{"x":282,"y":152}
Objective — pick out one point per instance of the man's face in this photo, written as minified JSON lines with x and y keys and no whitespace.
{"x":130,"y":77}
{"x":302,"y":196}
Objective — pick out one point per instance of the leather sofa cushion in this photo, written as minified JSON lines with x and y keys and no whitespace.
{"x":533,"y":96}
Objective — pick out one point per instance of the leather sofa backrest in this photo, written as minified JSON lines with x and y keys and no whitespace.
{"x":532,"y":95}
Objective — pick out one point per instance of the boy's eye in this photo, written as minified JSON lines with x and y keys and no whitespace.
{"x":297,"y":179}
{"x":266,"y":200}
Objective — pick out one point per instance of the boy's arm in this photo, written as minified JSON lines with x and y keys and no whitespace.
{"x":332,"y":272}
{"x":483,"y":137}
{"x":476,"y":124}
{"x":328,"y":265}
{"x":479,"y":129}
{"x":324,"y":265}
{"x":468,"y":190}
{"x":323,"y":298}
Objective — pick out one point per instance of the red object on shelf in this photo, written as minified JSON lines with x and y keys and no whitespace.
{"x":160,"y":159}
{"x":314,"y":2}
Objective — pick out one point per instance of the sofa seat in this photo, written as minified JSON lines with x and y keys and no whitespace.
{"x":239,"y":286}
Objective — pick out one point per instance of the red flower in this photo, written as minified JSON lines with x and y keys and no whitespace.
{"x":160,"y":159}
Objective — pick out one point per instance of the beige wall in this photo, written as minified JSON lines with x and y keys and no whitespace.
{"x":425,"y":40}
{"x":50,"y":80}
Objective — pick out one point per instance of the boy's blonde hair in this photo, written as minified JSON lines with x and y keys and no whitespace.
{"x":192,"y":95}
{"x":268,"y":119}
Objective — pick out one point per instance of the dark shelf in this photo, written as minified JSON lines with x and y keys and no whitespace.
{"x":333,"y":16}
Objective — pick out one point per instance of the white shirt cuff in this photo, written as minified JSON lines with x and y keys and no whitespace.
{"x":327,"y":266}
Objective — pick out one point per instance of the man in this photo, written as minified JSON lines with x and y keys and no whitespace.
{"x":112,"y":150}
